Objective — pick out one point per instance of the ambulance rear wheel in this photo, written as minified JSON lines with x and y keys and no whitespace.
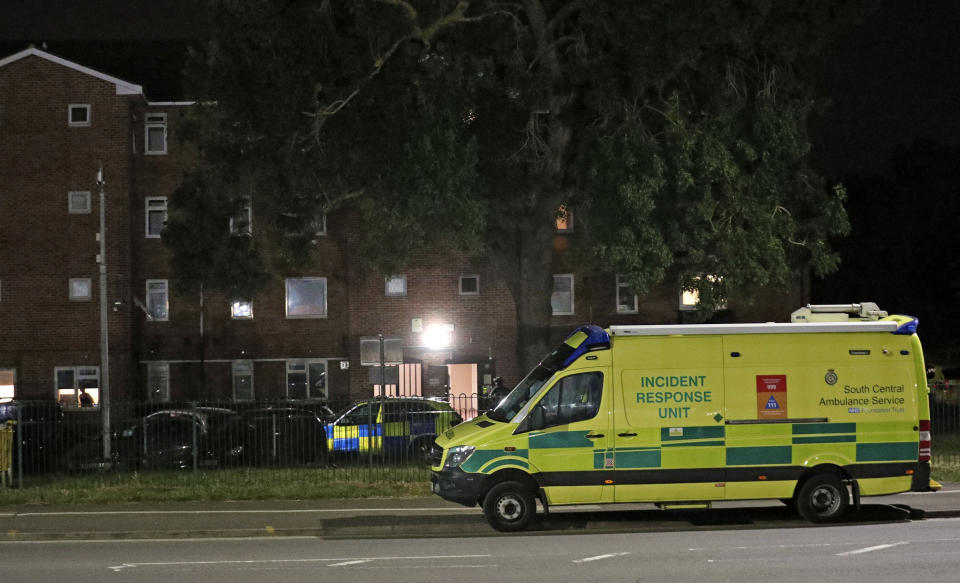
{"x":823,"y":498}
{"x":509,"y":506}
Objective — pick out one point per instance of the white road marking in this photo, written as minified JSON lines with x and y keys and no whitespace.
{"x":358,"y":562}
{"x":600,"y":557}
{"x":342,"y":560}
{"x":871,"y":549}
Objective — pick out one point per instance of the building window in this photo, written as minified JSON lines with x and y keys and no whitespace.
{"x":77,"y":386}
{"x":78,"y":115}
{"x":241,"y":310}
{"x":156,"y":216}
{"x":306,"y":297}
{"x":155,"y":133}
{"x":158,"y":301}
{"x":80,"y":289}
{"x":395,"y":286}
{"x":689,"y":299}
{"x":626,"y":299}
{"x":562,"y":298}
{"x":158,"y":382}
{"x":243,"y":380}
{"x":564,"y":220}
{"x":306,"y":379}
{"x":78,"y":202}
{"x":469,"y":285}
{"x":241,"y":223}
{"x":8,"y":383}
{"x":320,"y":225}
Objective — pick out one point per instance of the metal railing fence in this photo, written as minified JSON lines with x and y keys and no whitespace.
{"x":214,"y":435}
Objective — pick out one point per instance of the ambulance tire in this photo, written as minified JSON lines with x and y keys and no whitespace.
{"x":509,"y":507}
{"x":823,"y":498}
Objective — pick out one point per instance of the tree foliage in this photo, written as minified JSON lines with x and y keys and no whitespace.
{"x":676,"y":130}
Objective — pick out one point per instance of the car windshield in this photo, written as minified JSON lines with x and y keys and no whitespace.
{"x":508,"y":408}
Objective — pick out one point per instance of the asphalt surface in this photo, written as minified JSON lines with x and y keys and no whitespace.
{"x":418,"y":517}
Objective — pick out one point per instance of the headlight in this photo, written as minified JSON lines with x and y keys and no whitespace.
{"x":458,"y":455}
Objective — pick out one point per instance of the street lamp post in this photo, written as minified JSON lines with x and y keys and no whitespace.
{"x":104,"y":336}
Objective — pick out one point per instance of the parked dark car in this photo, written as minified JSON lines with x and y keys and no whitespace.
{"x":165,"y":439}
{"x":36,"y":434}
{"x":276,"y":436}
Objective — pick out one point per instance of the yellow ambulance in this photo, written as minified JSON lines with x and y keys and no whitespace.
{"x":816,"y":412}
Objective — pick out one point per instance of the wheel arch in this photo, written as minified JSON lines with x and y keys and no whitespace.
{"x":825,"y":468}
{"x":509,"y":475}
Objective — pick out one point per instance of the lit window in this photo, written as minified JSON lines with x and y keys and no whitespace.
{"x":626,"y":299}
{"x":241,"y":310}
{"x":306,"y":379}
{"x":78,"y":202}
{"x":242,"y":380}
{"x":156,"y":216}
{"x":78,"y":115}
{"x":396,"y":286}
{"x":562,"y":298}
{"x":158,"y":301}
{"x":80,"y":289}
{"x":8,"y":383}
{"x":689,"y":299}
{"x":155,"y":133}
{"x":306,"y":297}
{"x":77,"y":386}
{"x":469,"y":285}
{"x":564,"y":221}
{"x":158,"y":382}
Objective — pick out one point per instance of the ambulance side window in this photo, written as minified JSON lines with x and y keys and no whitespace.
{"x":573,"y":398}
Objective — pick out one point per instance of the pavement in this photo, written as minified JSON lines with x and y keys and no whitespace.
{"x":418,"y":517}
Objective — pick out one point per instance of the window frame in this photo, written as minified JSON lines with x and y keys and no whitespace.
{"x":159,"y":121}
{"x":325,"y":311}
{"x":147,"y":210}
{"x":166,"y":295}
{"x":77,"y":381}
{"x":625,"y":285}
{"x":164,"y":391}
{"x":234,"y":310}
{"x":13,"y":385}
{"x":79,"y":298}
{"x":236,"y":374}
{"x":79,"y":124}
{"x":573,"y":304}
{"x":402,"y":277}
{"x":469,"y":276}
{"x":73,"y":210}
{"x":305,"y":363}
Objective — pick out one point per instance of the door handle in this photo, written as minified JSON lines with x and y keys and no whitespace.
{"x":626,"y":435}
{"x":594,"y":435}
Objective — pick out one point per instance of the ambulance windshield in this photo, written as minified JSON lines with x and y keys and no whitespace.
{"x":531,"y":384}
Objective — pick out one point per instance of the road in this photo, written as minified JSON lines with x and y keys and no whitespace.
{"x":852,"y":553}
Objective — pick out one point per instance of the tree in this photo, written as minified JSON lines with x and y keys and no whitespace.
{"x":676,"y":130}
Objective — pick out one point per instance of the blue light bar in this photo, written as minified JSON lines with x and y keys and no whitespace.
{"x":584,"y":339}
{"x":909,"y":327}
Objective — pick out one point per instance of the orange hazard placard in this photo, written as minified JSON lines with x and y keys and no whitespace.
{"x":772,"y":396}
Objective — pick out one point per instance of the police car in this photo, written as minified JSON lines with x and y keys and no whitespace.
{"x":400,"y":427}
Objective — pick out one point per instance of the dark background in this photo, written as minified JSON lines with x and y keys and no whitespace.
{"x":891,"y":133}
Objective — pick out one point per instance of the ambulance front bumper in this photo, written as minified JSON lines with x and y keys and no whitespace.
{"x":456,"y":486}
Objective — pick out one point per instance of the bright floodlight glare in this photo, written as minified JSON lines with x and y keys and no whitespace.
{"x":436,"y":337}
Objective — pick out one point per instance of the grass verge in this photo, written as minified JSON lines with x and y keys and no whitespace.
{"x":239,"y":484}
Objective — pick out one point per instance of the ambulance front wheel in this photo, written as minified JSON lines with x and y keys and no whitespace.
{"x":509,"y":506}
{"x":823,"y":498}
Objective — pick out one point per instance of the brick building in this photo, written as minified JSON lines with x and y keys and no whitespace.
{"x":300,"y":339}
